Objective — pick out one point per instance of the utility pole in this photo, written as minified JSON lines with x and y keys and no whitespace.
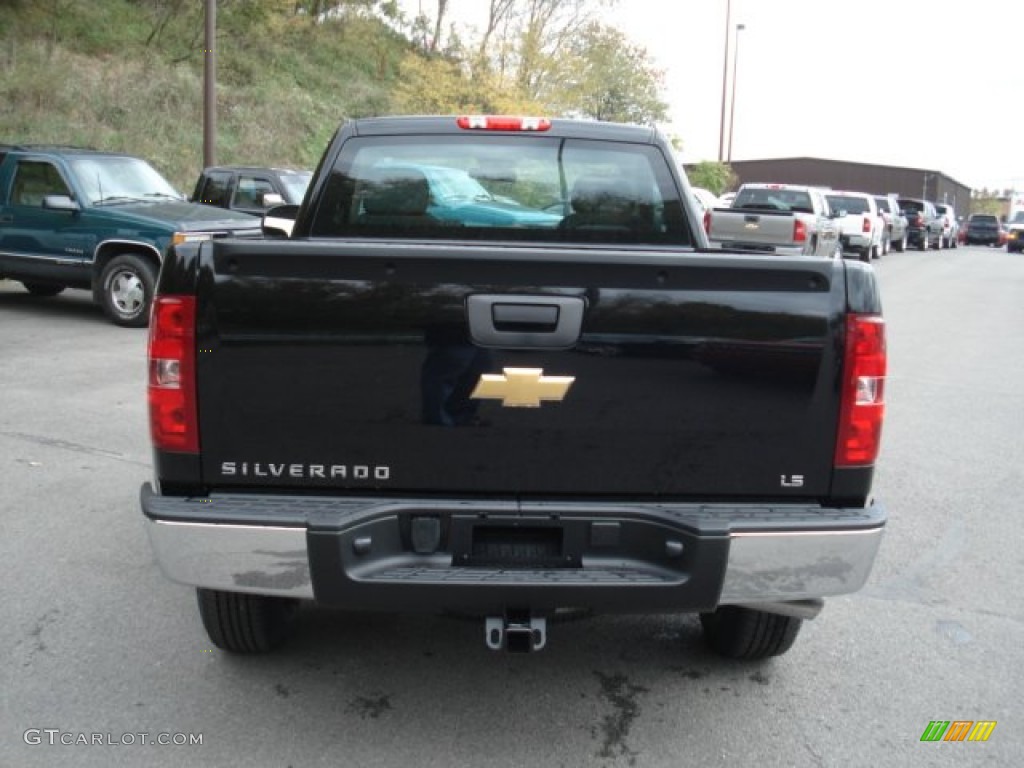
{"x":725,"y":78}
{"x":210,"y":87}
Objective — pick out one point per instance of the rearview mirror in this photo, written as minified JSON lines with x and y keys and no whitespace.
{"x":270,"y":199}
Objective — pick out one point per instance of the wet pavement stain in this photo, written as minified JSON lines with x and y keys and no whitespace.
{"x":370,"y":708}
{"x":760,"y":677}
{"x":622,"y":695}
{"x":35,"y":635}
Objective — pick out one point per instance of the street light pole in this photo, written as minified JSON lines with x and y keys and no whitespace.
{"x":725,"y":78}
{"x":732,"y":103}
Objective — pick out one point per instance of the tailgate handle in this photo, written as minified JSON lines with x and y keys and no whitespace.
{"x":503,"y":320}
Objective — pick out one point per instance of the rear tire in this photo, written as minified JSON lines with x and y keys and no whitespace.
{"x":242,"y":623}
{"x":126,"y":290}
{"x":43,"y":289}
{"x":901,"y":245}
{"x":744,"y":633}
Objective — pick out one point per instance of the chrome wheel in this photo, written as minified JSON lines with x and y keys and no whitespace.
{"x":127,"y":292}
{"x":126,"y":289}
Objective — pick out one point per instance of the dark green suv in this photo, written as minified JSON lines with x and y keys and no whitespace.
{"x":96,"y":220}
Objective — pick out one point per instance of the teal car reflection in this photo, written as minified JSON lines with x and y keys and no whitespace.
{"x":456,"y":197}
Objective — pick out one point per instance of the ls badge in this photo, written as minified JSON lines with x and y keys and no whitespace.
{"x":522,"y":387}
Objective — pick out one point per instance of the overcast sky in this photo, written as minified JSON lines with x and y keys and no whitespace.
{"x":936,"y":85}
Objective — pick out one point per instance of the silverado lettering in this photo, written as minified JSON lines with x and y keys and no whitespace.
{"x":582,"y":404}
{"x":270,"y":469}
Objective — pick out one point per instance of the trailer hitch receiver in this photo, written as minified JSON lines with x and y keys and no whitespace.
{"x":516,"y":633}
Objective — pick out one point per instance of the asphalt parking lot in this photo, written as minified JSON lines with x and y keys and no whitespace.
{"x":97,"y":642}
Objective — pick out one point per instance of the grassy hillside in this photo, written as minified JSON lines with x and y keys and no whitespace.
{"x":115,"y":74}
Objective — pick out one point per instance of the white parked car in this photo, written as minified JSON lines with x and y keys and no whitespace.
{"x":860,"y":226}
{"x":950,"y":225}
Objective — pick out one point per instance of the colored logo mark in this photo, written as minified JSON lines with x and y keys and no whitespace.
{"x":958,"y":730}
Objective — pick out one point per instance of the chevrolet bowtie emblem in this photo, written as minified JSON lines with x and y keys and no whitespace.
{"x":522,"y":387}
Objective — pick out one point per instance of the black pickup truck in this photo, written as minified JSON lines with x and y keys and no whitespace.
{"x":496,"y":370}
{"x":250,"y":189}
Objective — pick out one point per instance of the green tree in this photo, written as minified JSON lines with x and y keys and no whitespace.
{"x":605,"y":77}
{"x":438,"y":85}
{"x":714,"y":177}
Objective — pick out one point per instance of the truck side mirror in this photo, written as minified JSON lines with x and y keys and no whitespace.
{"x":60,"y":203}
{"x":279,"y":220}
{"x":270,"y":199}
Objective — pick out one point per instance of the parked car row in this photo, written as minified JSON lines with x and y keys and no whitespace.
{"x":870,"y":225}
{"x":822,"y":222}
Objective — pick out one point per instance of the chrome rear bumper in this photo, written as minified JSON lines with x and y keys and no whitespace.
{"x":634,"y":558}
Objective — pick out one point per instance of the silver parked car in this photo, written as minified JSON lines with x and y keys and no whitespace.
{"x":895,"y":222}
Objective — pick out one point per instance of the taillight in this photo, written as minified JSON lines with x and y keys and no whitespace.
{"x":799,"y":231}
{"x":502,"y":123}
{"x":865,"y":226}
{"x":918,"y":220}
{"x":862,"y":404}
{"x":707,"y":221}
{"x":173,"y":421}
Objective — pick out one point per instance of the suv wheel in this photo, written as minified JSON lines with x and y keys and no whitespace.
{"x":242,"y":623}
{"x":744,"y":633}
{"x":126,"y":290}
{"x":43,"y":289}
{"x":901,"y":245}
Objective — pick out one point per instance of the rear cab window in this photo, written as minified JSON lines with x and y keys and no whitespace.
{"x":541,"y":189}
{"x":770,"y":199}
{"x":849,"y":203}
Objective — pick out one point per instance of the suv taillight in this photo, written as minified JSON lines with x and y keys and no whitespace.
{"x":799,"y":231}
{"x":862,"y":403}
{"x":865,"y":227}
{"x":173,"y":420}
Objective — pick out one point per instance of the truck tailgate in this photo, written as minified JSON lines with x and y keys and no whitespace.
{"x":349,"y":365}
{"x":750,"y":227}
